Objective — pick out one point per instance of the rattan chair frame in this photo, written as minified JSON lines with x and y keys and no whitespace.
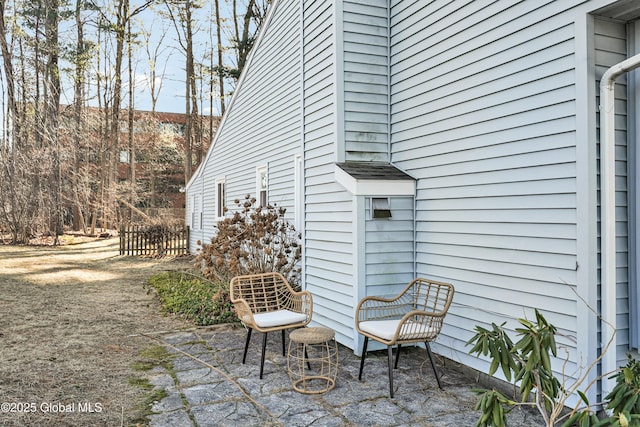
{"x":266,"y":293}
{"x":421,"y":307}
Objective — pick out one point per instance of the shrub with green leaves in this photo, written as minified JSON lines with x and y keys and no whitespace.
{"x":623,"y":402}
{"x":192,"y":297}
{"x":527,"y":362}
{"x":624,"y":399}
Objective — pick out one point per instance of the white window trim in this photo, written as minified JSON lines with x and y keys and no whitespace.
{"x":194,"y":213}
{"x":192,"y":217}
{"x":201,"y":212}
{"x":219,"y":211}
{"x":259,"y":171}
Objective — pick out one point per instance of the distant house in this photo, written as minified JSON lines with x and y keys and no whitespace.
{"x":159,"y":151}
{"x":158,"y":147}
{"x":455,"y":140}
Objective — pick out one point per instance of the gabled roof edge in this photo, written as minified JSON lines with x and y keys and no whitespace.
{"x":261,"y":33}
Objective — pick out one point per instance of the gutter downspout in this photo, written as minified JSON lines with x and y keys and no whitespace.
{"x":608,"y":216}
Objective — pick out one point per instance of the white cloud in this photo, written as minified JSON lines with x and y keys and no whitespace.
{"x":143,"y":83}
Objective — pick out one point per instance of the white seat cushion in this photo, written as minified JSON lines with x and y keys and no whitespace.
{"x":278,"y":318}
{"x":386,"y":329}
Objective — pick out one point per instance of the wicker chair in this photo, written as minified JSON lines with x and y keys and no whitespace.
{"x":267,"y":303}
{"x":415,"y":315}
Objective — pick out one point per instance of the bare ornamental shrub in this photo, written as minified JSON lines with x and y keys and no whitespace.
{"x":252,"y":240}
{"x":158,"y":236}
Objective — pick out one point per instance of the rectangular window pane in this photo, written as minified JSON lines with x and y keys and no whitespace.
{"x":220,"y":199}
{"x":261,"y":185}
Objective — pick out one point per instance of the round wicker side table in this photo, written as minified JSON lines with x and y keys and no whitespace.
{"x":312,"y":360}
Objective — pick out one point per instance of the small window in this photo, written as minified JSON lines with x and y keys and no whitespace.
{"x":220,"y":197}
{"x":261,"y":189}
{"x":124,"y":156}
{"x":380,"y":208}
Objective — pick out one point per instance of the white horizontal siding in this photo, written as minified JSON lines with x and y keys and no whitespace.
{"x":366,"y":87}
{"x":328,"y":242}
{"x":389,"y":248}
{"x":481,"y":31}
{"x":483,"y":115}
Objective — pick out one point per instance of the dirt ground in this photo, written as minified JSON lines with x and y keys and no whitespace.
{"x":69,"y":323}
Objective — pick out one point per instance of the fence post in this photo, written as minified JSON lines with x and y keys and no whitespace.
{"x":122,"y":240}
{"x":186,"y":243}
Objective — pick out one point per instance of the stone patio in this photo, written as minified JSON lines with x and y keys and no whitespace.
{"x":209,"y":386}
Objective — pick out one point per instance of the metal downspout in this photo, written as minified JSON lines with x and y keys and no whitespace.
{"x":608,"y":216}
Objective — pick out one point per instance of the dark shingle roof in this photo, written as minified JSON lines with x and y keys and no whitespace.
{"x":373,"y":171}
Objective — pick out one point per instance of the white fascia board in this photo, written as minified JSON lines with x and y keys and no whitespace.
{"x":374,"y":187}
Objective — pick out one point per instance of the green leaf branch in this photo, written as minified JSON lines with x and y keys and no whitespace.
{"x":527,"y":363}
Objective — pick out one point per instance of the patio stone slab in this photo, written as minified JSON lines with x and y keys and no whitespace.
{"x":175,"y":419}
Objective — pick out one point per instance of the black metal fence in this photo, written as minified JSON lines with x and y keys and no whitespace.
{"x":154,"y":240}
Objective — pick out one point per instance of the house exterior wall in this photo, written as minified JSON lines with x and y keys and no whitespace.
{"x":261,"y":127}
{"x":389,"y":248}
{"x":490,"y":106}
{"x":366,"y":80}
{"x":483,"y":114}
{"x":331,"y":105}
{"x":346,"y":118}
{"x":329,"y":219}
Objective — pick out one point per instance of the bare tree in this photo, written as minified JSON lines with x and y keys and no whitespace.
{"x":245,"y":26}
{"x":7,"y":61}
{"x":153,"y":56}
{"x":61,"y":165}
{"x":154,"y":82}
{"x":80,"y":57}
{"x":218,"y":23}
{"x":17,"y":198}
{"x":31,"y":178}
{"x":51,"y":113}
{"x":181,"y":13}
{"x":119,"y":29}
{"x":130,"y":127}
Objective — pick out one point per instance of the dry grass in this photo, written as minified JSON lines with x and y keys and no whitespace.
{"x":67,"y":315}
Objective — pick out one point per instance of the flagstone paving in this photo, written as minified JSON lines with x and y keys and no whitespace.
{"x":209,"y":386}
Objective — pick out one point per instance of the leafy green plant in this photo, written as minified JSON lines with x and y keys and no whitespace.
{"x":527,"y":362}
{"x":623,"y":401}
{"x":625,"y":396}
{"x":192,"y":297}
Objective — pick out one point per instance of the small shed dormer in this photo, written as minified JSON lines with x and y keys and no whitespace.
{"x":374,"y":179}
{"x":383,"y":230}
